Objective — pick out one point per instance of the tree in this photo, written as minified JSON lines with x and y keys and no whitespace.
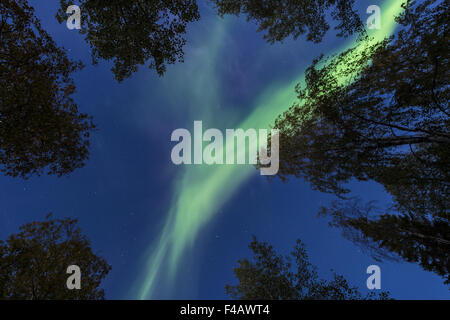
{"x":353,"y":129}
{"x":41,"y":129}
{"x":390,"y":124}
{"x":130,"y":33}
{"x":270,"y":276}
{"x":285,"y":18}
{"x":420,"y":239}
{"x":33,"y":263}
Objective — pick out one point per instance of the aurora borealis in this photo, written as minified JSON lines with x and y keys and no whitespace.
{"x":177,"y":231}
{"x":201,"y":191}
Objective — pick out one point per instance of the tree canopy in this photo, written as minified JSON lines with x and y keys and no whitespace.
{"x":132,"y":33}
{"x":270,"y":276}
{"x":33,"y":263}
{"x":386,"y":235}
{"x":41,"y":129}
{"x":390,"y":124}
{"x":283,"y":18}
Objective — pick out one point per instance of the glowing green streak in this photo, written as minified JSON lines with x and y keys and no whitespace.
{"x":202,"y":190}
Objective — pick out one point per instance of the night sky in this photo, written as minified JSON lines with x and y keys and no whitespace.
{"x":126,"y":193}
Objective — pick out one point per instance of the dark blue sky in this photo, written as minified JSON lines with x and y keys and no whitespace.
{"x":123,"y":194}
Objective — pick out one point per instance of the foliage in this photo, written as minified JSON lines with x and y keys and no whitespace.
{"x":130,"y":33}
{"x":390,"y":124}
{"x":270,"y":276}
{"x":41,"y":129}
{"x":421,"y":239}
{"x":33,"y":263}
{"x":281,"y":19}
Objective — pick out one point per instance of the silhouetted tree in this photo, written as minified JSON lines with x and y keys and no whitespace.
{"x":421,"y":239}
{"x":270,"y":276}
{"x":130,"y":33}
{"x":389,"y":124}
{"x":41,"y":129}
{"x":343,"y":129}
{"x":33,"y":263}
{"x":283,"y":18}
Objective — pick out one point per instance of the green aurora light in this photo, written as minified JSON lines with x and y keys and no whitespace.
{"x":202,"y":190}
